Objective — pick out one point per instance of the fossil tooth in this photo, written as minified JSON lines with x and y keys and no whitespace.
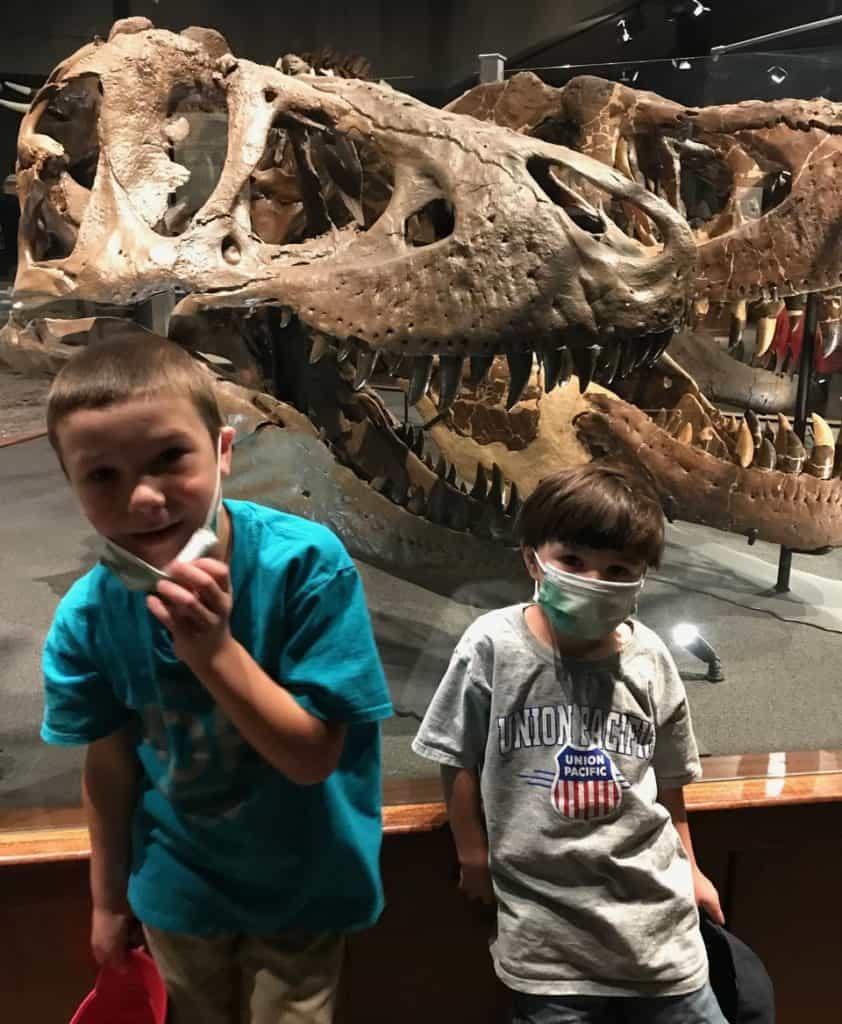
{"x":428,"y":461}
{"x":451,"y":380}
{"x":766,"y":327}
{"x":480,"y":488}
{"x":701,"y":307}
{"x":674,"y":421}
{"x":551,"y":363}
{"x":685,"y":434}
{"x":745,"y":445}
{"x":753,"y":424}
{"x":399,"y":491}
{"x":831,"y":337}
{"x":514,"y":503}
{"x":765,"y":458}
{"x":451,"y":475}
{"x":319,"y":348}
{"x":585,"y":360}
{"x":705,"y":437}
{"x":567,"y":368}
{"x":480,"y":365}
{"x":441,"y":467}
{"x":420,"y":380}
{"x":344,"y":353}
{"x":417,"y":501}
{"x":495,"y":493}
{"x":520,"y":367}
{"x":788,"y":447}
{"x":660,"y":343}
{"x":820,"y":463}
{"x":609,"y":371}
{"x":822,"y":434}
{"x":739,"y":314}
{"x":628,"y":358}
{"x":435,"y":510}
{"x":661,"y":418}
{"x":366,"y":365}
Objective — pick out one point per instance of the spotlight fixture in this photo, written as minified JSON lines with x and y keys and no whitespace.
{"x":681,"y":65}
{"x":629,"y":77}
{"x":777,"y":74}
{"x":623,"y":33}
{"x":699,"y":9}
{"x":688,"y":637}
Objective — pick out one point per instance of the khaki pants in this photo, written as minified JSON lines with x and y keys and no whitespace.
{"x":249,"y":979}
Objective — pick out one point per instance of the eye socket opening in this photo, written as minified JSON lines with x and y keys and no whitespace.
{"x":434,"y":222}
{"x":576,"y":207}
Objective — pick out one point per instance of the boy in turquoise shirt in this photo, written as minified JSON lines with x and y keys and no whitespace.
{"x":220,"y":668}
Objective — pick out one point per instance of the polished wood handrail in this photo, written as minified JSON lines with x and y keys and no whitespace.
{"x":415,"y":805}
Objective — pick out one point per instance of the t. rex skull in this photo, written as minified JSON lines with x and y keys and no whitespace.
{"x":513,"y":259}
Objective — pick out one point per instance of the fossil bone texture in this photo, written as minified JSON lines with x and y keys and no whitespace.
{"x":351,"y":230}
{"x":518,"y":259}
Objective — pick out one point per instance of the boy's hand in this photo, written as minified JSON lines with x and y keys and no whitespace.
{"x":707,"y":897}
{"x":110,"y":937}
{"x":475,"y":881}
{"x":195,"y":606}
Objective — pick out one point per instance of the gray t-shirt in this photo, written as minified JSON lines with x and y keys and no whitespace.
{"x":594,"y":888}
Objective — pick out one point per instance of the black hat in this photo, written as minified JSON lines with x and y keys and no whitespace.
{"x":738,"y":978}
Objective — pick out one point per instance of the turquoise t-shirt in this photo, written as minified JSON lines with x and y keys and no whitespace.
{"x":221,"y":840}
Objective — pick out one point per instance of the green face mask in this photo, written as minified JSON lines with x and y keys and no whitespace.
{"x":139,"y":575}
{"x":582,"y":607}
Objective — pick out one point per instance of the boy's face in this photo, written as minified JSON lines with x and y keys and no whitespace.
{"x":144,"y":472}
{"x":593,"y":563}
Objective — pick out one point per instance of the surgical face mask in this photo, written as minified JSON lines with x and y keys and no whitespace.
{"x":138,"y":575}
{"x":582,"y":607}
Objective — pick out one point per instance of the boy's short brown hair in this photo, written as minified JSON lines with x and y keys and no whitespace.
{"x":598,"y":505}
{"x":125,"y":368}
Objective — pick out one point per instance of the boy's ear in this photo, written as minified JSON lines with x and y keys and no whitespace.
{"x":226,"y":449}
{"x":529,"y":561}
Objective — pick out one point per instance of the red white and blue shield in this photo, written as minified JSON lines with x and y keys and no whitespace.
{"x":586,"y":784}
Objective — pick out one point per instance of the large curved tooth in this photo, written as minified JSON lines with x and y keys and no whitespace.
{"x":661,"y":418}
{"x":820,"y":463}
{"x":480,"y":365}
{"x":766,"y":327}
{"x":495,"y":495}
{"x":609,"y":371}
{"x":754,"y":426}
{"x":739,"y":314}
{"x":701,"y":307}
{"x":585,"y":360}
{"x":765,"y":458}
{"x":480,"y":488}
{"x":831,"y":337}
{"x":320,"y":346}
{"x":520,"y":367}
{"x":450,"y":368}
{"x":422,"y":371}
{"x":513,"y":506}
{"x":822,"y":434}
{"x":441,"y":467}
{"x":567,"y":367}
{"x":628,"y":358}
{"x":659,"y":344}
{"x":551,"y":363}
{"x":19,"y":108}
{"x":366,"y":365}
{"x":685,"y":434}
{"x":745,"y":446}
{"x":790,"y":451}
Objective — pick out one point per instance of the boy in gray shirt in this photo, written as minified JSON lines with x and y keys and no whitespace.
{"x":564,"y":736}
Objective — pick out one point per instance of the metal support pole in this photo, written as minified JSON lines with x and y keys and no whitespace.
{"x":491,"y":67}
{"x":805,"y":376}
{"x":795,"y":30}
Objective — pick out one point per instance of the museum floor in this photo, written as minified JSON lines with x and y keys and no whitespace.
{"x":780,"y":653}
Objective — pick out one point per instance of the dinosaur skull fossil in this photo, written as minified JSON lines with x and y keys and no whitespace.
{"x":516,"y":258}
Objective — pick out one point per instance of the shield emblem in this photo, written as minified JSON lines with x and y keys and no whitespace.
{"x":586,"y":784}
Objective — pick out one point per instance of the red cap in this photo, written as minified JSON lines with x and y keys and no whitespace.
{"x":136,"y":995}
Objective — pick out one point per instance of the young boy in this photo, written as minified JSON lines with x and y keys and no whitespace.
{"x":229,"y":702}
{"x":564,"y":736}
